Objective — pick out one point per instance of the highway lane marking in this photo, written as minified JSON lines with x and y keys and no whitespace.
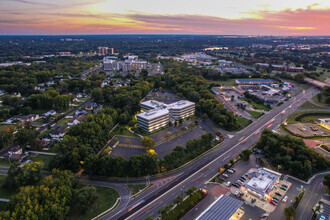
{"x":177,"y":185}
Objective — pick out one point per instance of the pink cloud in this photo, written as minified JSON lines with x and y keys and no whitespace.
{"x":302,"y":21}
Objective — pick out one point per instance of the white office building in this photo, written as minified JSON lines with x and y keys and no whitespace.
{"x":153,"y":120}
{"x":181,"y":109}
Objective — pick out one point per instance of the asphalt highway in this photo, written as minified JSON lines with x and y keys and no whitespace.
{"x":166,"y":188}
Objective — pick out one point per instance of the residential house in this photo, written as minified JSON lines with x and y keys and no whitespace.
{"x":76,"y":120}
{"x":50,"y":113}
{"x":80,"y":112}
{"x":23,"y":118}
{"x":90,"y":106}
{"x":58,"y":132}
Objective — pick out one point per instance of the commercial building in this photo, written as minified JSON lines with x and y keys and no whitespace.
{"x":105,"y":51}
{"x":261,"y":182}
{"x":151,"y":104}
{"x":224,"y":208}
{"x":153,"y":119}
{"x":254,"y":81}
{"x":111,"y":63}
{"x":181,"y":109}
{"x":324,"y":122}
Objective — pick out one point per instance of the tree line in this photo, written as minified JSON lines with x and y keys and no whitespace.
{"x":291,"y":154}
{"x":50,"y":198}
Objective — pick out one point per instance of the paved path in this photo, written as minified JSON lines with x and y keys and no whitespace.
{"x":42,"y":153}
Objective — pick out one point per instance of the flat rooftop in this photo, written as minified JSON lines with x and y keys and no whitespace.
{"x":151,"y":114}
{"x":261,"y":181}
{"x":153,"y":104}
{"x":223,"y":208}
{"x":180,"y":104}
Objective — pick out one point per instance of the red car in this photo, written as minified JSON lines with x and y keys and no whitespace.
{"x":273,"y":202}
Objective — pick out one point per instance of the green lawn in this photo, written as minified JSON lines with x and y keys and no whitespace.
{"x":243,"y":121}
{"x":4,"y":162}
{"x":136,"y":188}
{"x":106,"y":199}
{"x":45,"y":159}
{"x":254,"y":114}
{"x":64,"y":121}
{"x":256,"y":106}
{"x":4,"y":193}
{"x":323,"y":98}
{"x":122,"y":131}
{"x":308,"y":105}
{"x":229,"y":82}
{"x":309,"y":119}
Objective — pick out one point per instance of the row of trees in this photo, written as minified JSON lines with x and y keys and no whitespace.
{"x":146,"y":164}
{"x":23,"y":79}
{"x":292,"y":155}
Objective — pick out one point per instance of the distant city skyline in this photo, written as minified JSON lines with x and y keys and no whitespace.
{"x":235,"y":17}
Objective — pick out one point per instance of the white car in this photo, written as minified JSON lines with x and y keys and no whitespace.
{"x":225,"y":175}
{"x":230,"y":171}
{"x":285,"y":199}
{"x":228,"y":184}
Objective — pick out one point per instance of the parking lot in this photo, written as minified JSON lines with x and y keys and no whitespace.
{"x":242,"y":168}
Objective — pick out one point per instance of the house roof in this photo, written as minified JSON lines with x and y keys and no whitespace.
{"x":58,"y":129}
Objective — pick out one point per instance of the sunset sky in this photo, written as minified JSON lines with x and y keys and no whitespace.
{"x":264,"y":17}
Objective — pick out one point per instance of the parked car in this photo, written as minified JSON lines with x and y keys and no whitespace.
{"x":233,"y":169}
{"x":276,"y":199}
{"x":230,"y":171}
{"x":225,"y":175}
{"x":285,"y":199}
{"x":279,"y":194}
{"x":284,"y":185}
{"x":283,"y":188}
{"x":243,"y":178}
{"x":228,"y":184}
{"x":235,"y":185}
{"x":238,"y":184}
{"x":273,"y":202}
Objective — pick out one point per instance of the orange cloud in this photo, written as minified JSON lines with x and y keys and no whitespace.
{"x":302,"y":21}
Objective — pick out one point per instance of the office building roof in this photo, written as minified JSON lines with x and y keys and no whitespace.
{"x":223,"y":208}
{"x":155,"y":113}
{"x":180,"y":104}
{"x":153,"y":104}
